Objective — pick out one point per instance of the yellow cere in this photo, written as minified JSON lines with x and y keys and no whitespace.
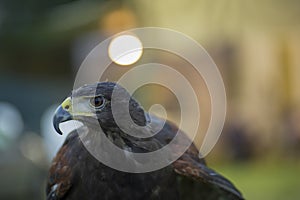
{"x":67,"y":104}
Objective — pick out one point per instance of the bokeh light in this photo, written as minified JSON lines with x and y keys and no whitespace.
{"x":11,"y":122}
{"x":125,"y":49}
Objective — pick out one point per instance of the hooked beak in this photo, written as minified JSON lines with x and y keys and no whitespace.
{"x":62,"y":114}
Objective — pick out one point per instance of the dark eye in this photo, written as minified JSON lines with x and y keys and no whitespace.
{"x":97,"y":102}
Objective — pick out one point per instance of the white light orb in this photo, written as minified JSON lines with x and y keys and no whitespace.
{"x":125,"y":49}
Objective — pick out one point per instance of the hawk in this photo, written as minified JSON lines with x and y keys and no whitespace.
{"x":76,"y":174}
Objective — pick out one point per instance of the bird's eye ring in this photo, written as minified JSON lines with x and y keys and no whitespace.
{"x":97,"y":102}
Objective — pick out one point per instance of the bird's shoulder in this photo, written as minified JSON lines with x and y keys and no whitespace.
{"x":62,"y":169}
{"x":189,"y":165}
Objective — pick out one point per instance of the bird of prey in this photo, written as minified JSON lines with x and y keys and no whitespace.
{"x":76,"y":174}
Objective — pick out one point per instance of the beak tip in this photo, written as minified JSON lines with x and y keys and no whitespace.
{"x":56,"y":122}
{"x":57,"y":129}
{"x":60,"y":116}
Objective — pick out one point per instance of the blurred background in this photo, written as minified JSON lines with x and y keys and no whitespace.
{"x":255,"y":44}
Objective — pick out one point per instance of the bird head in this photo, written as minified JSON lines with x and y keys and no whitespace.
{"x":91,"y":103}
